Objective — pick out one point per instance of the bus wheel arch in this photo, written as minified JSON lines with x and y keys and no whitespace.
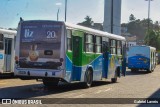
{"x":88,"y":77}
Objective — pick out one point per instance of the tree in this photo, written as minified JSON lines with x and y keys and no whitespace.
{"x":132,"y":18}
{"x":156,"y":25}
{"x":153,"y":39}
{"x":88,"y":22}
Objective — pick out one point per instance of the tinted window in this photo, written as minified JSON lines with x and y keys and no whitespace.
{"x":89,"y":43}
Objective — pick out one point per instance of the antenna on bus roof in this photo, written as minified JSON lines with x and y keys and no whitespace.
{"x":21,"y":19}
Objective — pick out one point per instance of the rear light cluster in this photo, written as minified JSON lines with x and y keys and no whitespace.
{"x":16,"y":59}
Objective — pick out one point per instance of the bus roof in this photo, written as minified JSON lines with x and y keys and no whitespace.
{"x":5,"y":31}
{"x":152,"y":48}
{"x":98,"y":32}
{"x":88,"y":30}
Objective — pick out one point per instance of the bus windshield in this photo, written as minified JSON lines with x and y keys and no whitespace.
{"x":40,"y":44}
{"x":139,"y":51}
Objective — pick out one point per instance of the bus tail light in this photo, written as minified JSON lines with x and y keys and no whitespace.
{"x":16,"y":59}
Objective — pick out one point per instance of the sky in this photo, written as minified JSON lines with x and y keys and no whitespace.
{"x":77,"y":10}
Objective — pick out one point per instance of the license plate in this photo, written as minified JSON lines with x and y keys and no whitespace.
{"x":22,"y":72}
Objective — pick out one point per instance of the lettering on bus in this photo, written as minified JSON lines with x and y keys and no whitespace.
{"x":28,"y":33}
{"x":51,"y":34}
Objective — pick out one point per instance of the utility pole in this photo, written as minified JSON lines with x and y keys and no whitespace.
{"x":149,"y":19}
{"x":148,"y":13}
{"x":112,"y":16}
{"x":58,"y":4}
{"x":58,"y":14}
{"x":65,"y":10}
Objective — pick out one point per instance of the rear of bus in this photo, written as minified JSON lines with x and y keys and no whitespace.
{"x":139,"y":58}
{"x":40,"y":50}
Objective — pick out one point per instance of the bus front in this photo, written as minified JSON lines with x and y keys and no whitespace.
{"x":40,"y":50}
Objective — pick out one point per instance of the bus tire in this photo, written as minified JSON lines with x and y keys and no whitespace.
{"x":88,"y":78}
{"x":113,"y":80}
{"x":50,"y":82}
{"x":132,"y":70}
{"x":149,"y":71}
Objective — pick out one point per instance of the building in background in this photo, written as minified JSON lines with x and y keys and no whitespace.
{"x":98,"y":26}
{"x":112,"y":16}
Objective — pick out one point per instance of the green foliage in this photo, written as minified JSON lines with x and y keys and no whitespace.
{"x":153,"y":38}
{"x":132,"y":18}
{"x":140,"y":27}
{"x":88,"y":22}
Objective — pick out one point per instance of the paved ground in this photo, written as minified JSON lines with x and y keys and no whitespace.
{"x":134,"y":85}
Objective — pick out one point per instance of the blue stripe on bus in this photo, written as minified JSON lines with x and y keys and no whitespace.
{"x":97,"y":65}
{"x":139,"y":62}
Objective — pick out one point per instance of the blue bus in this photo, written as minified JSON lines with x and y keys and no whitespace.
{"x":59,"y":51}
{"x":142,"y":58}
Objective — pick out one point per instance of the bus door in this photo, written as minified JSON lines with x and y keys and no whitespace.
{"x":124,"y":58}
{"x":105,"y":46}
{"x":77,"y":55}
{"x":7,"y":54}
{"x":1,"y":53}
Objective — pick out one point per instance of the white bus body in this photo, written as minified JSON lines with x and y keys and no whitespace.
{"x":7,"y":44}
{"x":42,"y":52}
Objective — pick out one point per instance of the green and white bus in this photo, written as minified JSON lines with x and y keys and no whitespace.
{"x":57,"y":51}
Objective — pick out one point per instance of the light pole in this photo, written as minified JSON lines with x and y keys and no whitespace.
{"x":58,"y":4}
{"x":112,"y":16}
{"x":65,"y":10}
{"x":58,"y":14}
{"x":148,"y":12}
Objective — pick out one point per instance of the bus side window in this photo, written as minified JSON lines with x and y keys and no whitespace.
{"x":89,"y":43}
{"x":1,"y":41}
{"x":105,"y":44}
{"x":69,"y":39}
{"x":98,"y":44}
{"x":113,"y":46}
{"x":119,"y":48}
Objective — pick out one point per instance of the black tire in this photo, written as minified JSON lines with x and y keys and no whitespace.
{"x":132,"y":70}
{"x":50,"y":82}
{"x":113,"y":80}
{"x":88,"y":78}
{"x":149,"y":71}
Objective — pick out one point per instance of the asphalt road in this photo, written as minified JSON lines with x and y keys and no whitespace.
{"x":134,"y":85}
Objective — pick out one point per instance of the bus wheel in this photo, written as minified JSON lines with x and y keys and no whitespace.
{"x":50,"y":82}
{"x":149,"y":71}
{"x":132,"y":70}
{"x":88,"y":78}
{"x":113,"y":80}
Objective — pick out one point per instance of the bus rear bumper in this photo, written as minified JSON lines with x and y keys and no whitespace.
{"x":138,"y":67}
{"x":38,"y":73}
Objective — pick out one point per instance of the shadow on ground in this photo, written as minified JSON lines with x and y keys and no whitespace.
{"x":36,"y":90}
{"x":154,"y":97}
{"x":7,"y":76}
{"x":140,"y":72}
